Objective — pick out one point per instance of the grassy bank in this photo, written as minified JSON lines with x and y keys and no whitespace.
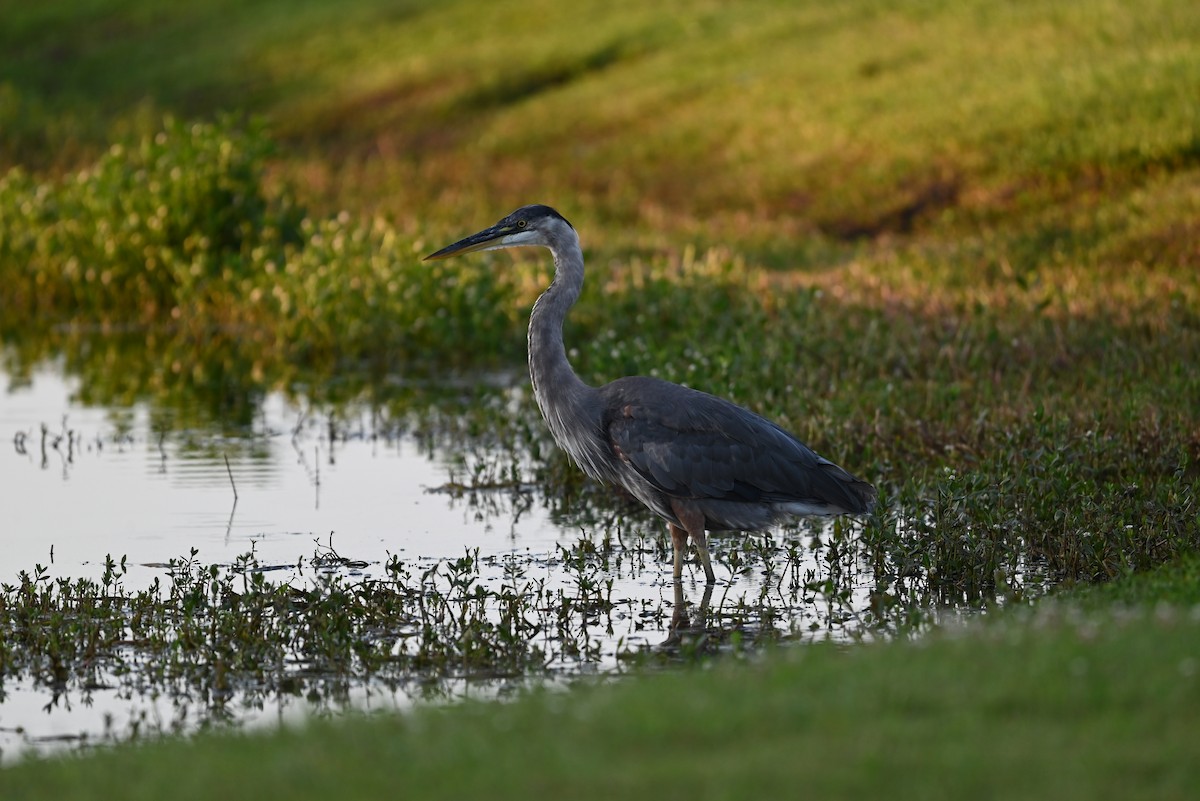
{"x":1075,"y":699}
{"x":739,"y":123}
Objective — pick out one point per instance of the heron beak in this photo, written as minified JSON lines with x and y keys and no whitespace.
{"x":487,"y":239}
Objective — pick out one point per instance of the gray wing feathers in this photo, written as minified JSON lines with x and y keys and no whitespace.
{"x":690,"y":444}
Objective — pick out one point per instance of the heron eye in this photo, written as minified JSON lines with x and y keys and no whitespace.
{"x":522,"y":223}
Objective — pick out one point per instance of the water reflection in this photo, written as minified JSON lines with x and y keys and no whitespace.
{"x":93,"y":481}
{"x":397,"y":479}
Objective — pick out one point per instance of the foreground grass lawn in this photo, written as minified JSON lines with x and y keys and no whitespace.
{"x":1095,"y":697}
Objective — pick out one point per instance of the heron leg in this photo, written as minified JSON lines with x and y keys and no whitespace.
{"x":693,"y":526}
{"x":700,"y":540}
{"x":679,"y":539}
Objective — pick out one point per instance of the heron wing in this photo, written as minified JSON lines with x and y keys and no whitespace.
{"x":690,"y":444}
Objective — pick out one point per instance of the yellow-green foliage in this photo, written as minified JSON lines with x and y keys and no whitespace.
{"x":178,"y":230}
{"x":144,"y":230}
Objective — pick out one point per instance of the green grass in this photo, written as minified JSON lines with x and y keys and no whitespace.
{"x":1067,"y":701}
{"x":722,"y":123}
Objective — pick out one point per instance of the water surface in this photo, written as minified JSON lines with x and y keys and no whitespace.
{"x":151,"y":482}
{"x":104,"y":481}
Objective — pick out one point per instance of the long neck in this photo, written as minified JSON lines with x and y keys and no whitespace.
{"x":572,"y":409}
{"x":568,"y":404}
{"x":553,"y":378}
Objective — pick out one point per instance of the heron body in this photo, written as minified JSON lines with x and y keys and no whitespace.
{"x":698,"y":461}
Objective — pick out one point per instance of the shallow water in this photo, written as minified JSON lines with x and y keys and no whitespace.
{"x":81,"y":483}
{"x":124,"y":489}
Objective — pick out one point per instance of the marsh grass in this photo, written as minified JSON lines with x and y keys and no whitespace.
{"x":215,"y":642}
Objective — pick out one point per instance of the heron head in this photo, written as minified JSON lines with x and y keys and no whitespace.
{"x":528,"y":225}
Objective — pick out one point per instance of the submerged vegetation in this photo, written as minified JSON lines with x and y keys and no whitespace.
{"x":1066,"y":701}
{"x":221,"y":642}
{"x":951,"y":245}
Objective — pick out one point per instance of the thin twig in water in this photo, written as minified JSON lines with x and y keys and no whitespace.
{"x":229,"y":470}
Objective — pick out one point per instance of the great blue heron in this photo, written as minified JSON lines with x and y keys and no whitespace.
{"x":698,"y":461}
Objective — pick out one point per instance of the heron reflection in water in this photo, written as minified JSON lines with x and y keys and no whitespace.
{"x":700,"y":462}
